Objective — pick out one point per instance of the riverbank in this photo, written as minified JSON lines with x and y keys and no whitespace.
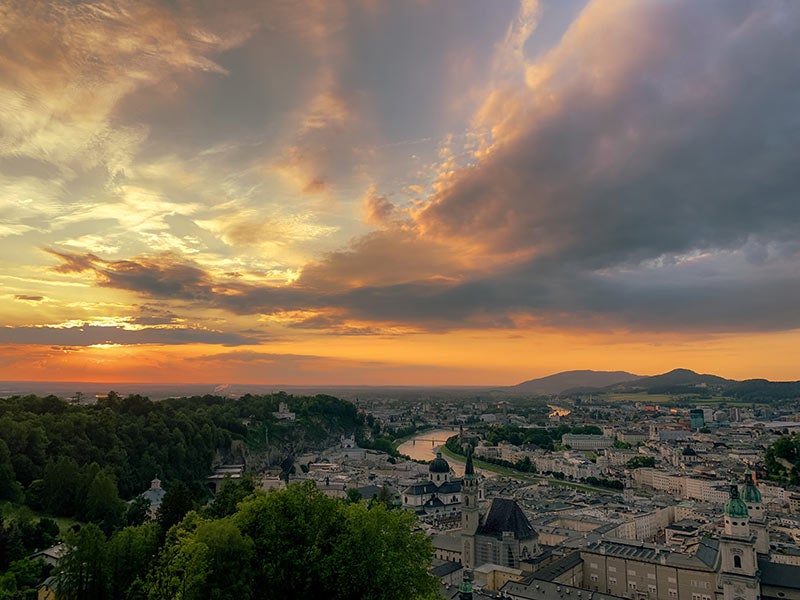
{"x":519,"y":476}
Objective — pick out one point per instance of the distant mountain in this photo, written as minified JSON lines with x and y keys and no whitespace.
{"x":675,"y":381}
{"x":557,"y":383}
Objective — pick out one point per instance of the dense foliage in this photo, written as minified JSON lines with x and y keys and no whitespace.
{"x":78,"y":460}
{"x":641,"y":461}
{"x":782,"y":460}
{"x":294,"y":543}
{"x":544,"y":438}
{"x":761,"y":390}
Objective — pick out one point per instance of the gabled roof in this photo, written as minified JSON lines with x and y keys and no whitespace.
{"x":450,"y":487}
{"x":434,"y":503}
{"x":446,"y":568}
{"x":779,"y":575}
{"x":506,"y":516}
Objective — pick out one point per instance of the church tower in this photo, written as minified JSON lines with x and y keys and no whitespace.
{"x":751,"y":496}
{"x":739,"y":568}
{"x":470,"y":517}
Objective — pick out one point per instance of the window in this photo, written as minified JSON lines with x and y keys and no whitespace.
{"x":593,"y":577}
{"x":612,"y":581}
{"x":632,"y":585}
{"x":737,"y":562}
{"x":612,"y":569}
{"x":651,"y":589}
{"x":673,"y":593}
{"x":696,"y":597}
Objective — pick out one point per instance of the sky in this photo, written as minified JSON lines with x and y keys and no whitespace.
{"x":415,"y":192}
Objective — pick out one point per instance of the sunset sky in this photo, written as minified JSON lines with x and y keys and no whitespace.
{"x":398,"y":191}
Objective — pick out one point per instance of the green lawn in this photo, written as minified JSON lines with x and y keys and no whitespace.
{"x":518,"y":475}
{"x":15,"y":511}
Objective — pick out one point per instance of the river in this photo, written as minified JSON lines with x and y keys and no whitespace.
{"x":424,"y":445}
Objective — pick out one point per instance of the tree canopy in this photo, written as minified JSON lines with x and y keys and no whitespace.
{"x":293,"y":543}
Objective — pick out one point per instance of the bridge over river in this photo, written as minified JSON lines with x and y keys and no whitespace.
{"x":423,"y":446}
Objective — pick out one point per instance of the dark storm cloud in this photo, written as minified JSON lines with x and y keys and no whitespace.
{"x":693,"y":147}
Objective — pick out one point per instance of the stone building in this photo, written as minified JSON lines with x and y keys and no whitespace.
{"x":503,"y":536}
{"x":727,"y":568}
{"x":440,"y":496}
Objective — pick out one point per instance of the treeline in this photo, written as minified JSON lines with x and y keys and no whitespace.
{"x":545,"y":438}
{"x":294,"y":543}
{"x":761,"y":390}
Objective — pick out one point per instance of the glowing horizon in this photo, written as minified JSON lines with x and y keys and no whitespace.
{"x":382,"y":193}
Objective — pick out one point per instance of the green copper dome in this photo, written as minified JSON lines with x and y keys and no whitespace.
{"x":750,"y":493}
{"x":735,"y":507}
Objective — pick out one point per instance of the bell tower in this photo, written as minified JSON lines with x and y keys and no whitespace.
{"x":751,"y":496}
{"x":739,"y":577}
{"x":470,"y":517}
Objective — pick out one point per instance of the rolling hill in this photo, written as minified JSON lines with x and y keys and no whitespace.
{"x":557,"y":383}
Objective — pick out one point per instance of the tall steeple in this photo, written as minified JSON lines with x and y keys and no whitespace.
{"x":751,"y":496}
{"x":469,"y":469}
{"x":739,"y":566}
{"x":470,"y":517}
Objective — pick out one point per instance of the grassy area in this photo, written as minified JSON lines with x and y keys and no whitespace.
{"x":527,"y":478}
{"x":17,"y":511}
{"x":668,"y":400}
{"x":642,"y":397}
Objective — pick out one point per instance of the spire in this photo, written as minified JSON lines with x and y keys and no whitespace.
{"x":469,"y":469}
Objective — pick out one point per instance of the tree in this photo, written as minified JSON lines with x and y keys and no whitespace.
{"x":176,"y":503}
{"x":353,"y":495}
{"x":230,"y":494}
{"x":83,"y":571}
{"x":10,"y":489}
{"x":138,"y":511}
{"x":103,"y":505}
{"x":61,"y":486}
{"x":378,"y":556}
{"x":641,"y":461}
{"x":45,"y":534}
{"x":307,"y":545}
{"x":130,"y":554}
{"x":203,"y":560}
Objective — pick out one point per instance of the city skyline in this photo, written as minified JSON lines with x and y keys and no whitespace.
{"x":375,"y":192}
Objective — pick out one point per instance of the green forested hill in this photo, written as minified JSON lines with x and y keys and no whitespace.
{"x":52,"y":451}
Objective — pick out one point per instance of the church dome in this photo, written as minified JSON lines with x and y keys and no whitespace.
{"x":750,"y":493}
{"x":439,"y":465}
{"x":689,"y":451}
{"x":735,"y":507}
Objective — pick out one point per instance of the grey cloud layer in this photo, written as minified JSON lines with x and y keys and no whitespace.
{"x":651,"y":173}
